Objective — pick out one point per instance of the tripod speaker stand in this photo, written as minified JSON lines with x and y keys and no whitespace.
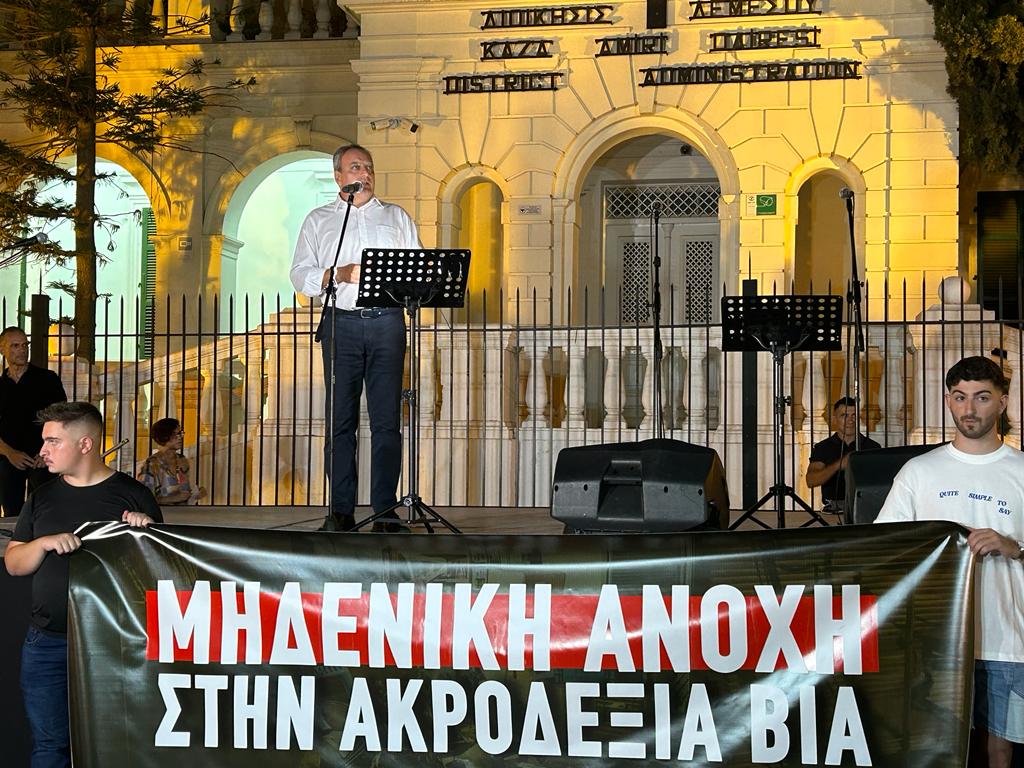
{"x":413,"y":279}
{"x":780,"y":325}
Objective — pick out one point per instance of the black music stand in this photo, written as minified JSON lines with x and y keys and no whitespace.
{"x":780,"y":325}
{"x":413,"y":279}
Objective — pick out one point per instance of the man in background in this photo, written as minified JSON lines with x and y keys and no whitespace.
{"x":24,"y":390}
{"x":827,"y":467}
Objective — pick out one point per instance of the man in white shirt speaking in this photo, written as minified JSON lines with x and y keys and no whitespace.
{"x":369,"y":343}
{"x":978,"y":481}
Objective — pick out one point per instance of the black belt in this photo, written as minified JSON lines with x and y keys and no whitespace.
{"x":368,"y":312}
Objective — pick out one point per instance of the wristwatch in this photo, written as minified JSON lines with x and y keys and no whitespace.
{"x":1020,"y":551}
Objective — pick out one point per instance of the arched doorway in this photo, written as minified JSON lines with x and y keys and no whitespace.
{"x":617,"y":237}
{"x":261,"y":226}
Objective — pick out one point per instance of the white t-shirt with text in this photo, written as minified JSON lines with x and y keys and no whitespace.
{"x":976,"y":491}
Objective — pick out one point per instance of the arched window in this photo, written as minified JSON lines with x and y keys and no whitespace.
{"x":478,"y":222}
{"x":261,"y":227}
{"x":124,"y":279}
{"x":822,"y":247}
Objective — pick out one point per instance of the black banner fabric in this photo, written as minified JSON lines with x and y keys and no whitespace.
{"x":214,"y":646}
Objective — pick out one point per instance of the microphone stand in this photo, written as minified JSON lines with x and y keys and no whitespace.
{"x":117,"y":447}
{"x":853,"y":298}
{"x":331,"y":304}
{"x":659,"y":422}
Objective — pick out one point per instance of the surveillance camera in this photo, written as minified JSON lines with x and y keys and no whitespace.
{"x":685,"y":149}
{"x":386,"y":123}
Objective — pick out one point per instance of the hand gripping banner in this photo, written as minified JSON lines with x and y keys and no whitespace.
{"x":214,"y":646}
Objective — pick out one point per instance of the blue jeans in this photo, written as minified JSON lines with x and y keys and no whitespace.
{"x":999,"y":698}
{"x":370,"y":347}
{"x":44,"y":685}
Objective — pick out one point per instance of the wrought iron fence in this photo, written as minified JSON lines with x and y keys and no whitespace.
{"x":498,"y":400}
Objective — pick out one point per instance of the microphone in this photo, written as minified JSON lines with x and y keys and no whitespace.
{"x":38,"y":238}
{"x":846,"y":193}
{"x":116,"y":448}
{"x":353,"y":188}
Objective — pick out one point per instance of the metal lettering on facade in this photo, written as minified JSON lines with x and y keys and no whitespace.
{"x":755,"y":39}
{"x":758,"y":72}
{"x":632,"y":45}
{"x":717,"y":9}
{"x":504,"y":82}
{"x":515,"y":49}
{"x":555,"y":16}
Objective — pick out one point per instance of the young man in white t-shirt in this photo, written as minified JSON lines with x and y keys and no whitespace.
{"x":978,"y":481}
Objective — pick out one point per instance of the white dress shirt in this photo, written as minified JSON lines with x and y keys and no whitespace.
{"x":373,"y":225}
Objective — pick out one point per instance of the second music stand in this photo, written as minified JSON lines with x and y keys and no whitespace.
{"x":780,"y":325}
{"x":413,"y":278}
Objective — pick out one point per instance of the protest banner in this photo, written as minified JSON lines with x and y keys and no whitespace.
{"x":213,"y":646}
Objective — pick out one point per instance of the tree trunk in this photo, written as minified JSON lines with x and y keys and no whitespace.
{"x":85,"y":203}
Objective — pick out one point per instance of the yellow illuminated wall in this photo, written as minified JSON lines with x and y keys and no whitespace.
{"x":890,"y":135}
{"x":481,"y":232}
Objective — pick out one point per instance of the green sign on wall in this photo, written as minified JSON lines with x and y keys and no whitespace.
{"x":765,"y":205}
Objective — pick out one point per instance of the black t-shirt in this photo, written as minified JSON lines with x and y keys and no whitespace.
{"x":830,"y":450}
{"x":21,"y":400}
{"x":58,"y":507}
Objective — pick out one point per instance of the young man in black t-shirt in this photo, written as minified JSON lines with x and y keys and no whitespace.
{"x":86,"y":491}
{"x":828,"y":458}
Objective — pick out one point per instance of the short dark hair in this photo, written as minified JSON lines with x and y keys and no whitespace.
{"x":340,"y":153}
{"x":846,"y":400}
{"x":977,"y":368}
{"x":72,"y":413}
{"x":163,"y":430}
{"x":9,"y":330}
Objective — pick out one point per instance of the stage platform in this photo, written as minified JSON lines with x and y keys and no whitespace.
{"x":477,"y":520}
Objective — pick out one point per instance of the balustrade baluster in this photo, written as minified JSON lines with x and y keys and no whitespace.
{"x":612,"y":398}
{"x":266,"y":19}
{"x":323,"y":19}
{"x":575,"y":396}
{"x":159,"y":14}
{"x":217,"y":13}
{"x":237,"y":12}
{"x":634,"y":368}
{"x":294,"y":30}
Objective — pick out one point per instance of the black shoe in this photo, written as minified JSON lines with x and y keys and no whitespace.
{"x":336,"y":523}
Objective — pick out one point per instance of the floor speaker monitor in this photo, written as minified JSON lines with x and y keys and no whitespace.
{"x":651,"y":486}
{"x":869,"y":476}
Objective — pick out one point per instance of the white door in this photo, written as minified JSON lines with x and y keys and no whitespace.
{"x":689,"y":277}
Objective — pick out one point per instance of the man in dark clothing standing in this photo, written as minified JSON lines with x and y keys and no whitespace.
{"x":86,"y":490}
{"x":827,"y":467}
{"x":25,"y":389}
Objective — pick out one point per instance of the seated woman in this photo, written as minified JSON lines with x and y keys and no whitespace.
{"x":165,"y":473}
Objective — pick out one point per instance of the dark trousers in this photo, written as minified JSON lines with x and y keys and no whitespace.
{"x":12,"y":485}
{"x":44,"y":684}
{"x":369,"y":346}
